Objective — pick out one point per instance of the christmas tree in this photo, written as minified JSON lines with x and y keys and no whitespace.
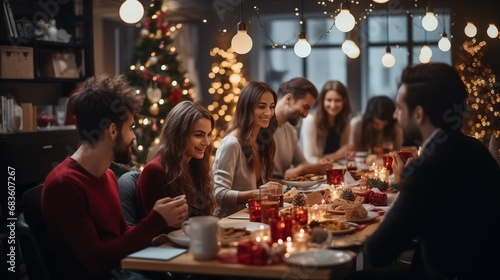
{"x":227,"y":82}
{"x":482,"y":115}
{"x":156,"y":73}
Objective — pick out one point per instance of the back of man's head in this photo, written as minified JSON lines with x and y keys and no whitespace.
{"x":436,"y":87}
{"x":101,"y":101}
{"x":299,"y":87}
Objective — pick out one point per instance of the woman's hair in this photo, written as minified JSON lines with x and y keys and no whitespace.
{"x":101,"y":101}
{"x":380,"y":107}
{"x":321,"y":118}
{"x":193,"y":179}
{"x":243,"y":120}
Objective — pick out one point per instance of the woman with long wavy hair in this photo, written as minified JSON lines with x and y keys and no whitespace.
{"x":181,"y":163}
{"x":244,"y":158}
{"x":376,"y":126}
{"x":324,"y":134}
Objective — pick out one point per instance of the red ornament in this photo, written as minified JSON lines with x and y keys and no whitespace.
{"x":145,"y":75}
{"x":154,"y":127}
{"x":185,"y":85}
{"x":175,"y":96}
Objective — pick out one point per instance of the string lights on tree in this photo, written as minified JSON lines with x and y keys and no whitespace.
{"x":227,"y":81}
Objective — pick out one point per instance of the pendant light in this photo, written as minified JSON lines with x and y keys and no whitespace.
{"x":426,"y":51}
{"x":131,"y":11}
{"x":350,"y":48}
{"x":302,"y":48}
{"x":492,"y":31}
{"x":444,"y":43}
{"x":380,"y":1}
{"x":241,"y":42}
{"x":470,"y":29}
{"x":345,"y":20}
{"x":429,"y":21}
{"x":388,"y":60}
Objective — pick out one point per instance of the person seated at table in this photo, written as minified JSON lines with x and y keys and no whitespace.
{"x":324,"y":134}
{"x":180,"y":165}
{"x":296,"y":97}
{"x":376,"y":126}
{"x":448,"y":196}
{"x":244,"y":159}
{"x":87,"y":233}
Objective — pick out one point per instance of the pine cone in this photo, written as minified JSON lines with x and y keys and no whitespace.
{"x":347,"y":194}
{"x":299,"y":200}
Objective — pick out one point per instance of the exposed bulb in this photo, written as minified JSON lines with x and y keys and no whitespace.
{"x":426,"y":50}
{"x":388,"y":60}
{"x":345,"y":20}
{"x":423,"y":58}
{"x":429,"y":21}
{"x":241,"y":42}
{"x":380,"y":1}
{"x":350,"y":49}
{"x":131,"y":11}
{"x":302,"y":48}
{"x":444,"y":43}
{"x":470,"y":29}
{"x":492,"y":31}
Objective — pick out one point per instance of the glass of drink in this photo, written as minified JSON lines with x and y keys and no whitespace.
{"x":269,"y":208}
{"x":350,"y":161}
{"x":335,"y":176}
{"x":405,"y":155}
{"x":387,"y":158}
{"x":276,"y":194}
{"x":255,"y":209}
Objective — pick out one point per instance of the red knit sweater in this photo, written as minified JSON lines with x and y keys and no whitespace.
{"x":87,"y":233}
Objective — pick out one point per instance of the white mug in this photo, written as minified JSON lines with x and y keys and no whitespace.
{"x":202,"y":231}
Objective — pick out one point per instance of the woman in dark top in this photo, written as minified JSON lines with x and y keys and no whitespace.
{"x":324,"y":134}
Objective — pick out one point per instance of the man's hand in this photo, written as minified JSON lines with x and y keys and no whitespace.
{"x":173,"y":210}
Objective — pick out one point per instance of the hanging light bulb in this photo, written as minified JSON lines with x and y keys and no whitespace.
{"x":429,"y":21}
{"x":492,"y":31}
{"x":423,"y":58}
{"x":345,"y":20}
{"x":388,"y":60}
{"x":131,"y":11}
{"x":444,"y":43}
{"x":470,"y":29}
{"x":350,"y":49}
{"x":302,"y":48}
{"x":426,"y":50}
{"x":241,"y":42}
{"x":380,"y":1}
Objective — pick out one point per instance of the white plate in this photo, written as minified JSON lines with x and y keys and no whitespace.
{"x":318,"y":258}
{"x":303,"y":184}
{"x":179,"y":238}
{"x":251,"y":226}
{"x":369,"y":217}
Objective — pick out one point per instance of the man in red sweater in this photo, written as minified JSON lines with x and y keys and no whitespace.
{"x":80,"y":202}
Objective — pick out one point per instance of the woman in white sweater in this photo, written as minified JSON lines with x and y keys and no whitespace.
{"x":324,"y":134}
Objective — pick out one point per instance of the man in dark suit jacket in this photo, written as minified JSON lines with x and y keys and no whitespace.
{"x":448,"y":195}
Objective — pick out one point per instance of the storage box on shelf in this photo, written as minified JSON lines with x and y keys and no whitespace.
{"x":16,"y":62}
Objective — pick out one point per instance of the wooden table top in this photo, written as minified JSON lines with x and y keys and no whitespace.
{"x":186,"y":263}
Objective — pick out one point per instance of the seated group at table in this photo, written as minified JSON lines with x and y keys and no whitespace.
{"x":89,"y":236}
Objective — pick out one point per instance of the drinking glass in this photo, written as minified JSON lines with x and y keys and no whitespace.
{"x":269,"y":208}
{"x":387,"y":147}
{"x":335,"y":176}
{"x":60,"y":115}
{"x":350,"y":161}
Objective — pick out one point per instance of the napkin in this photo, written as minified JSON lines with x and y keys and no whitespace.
{"x":349,"y":180}
{"x":158,"y":253}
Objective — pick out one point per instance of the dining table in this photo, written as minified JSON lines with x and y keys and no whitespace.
{"x":228,"y":266}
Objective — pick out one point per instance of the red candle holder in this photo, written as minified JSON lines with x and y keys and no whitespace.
{"x":335,"y":176}
{"x":255,"y":210}
{"x":281,"y":228}
{"x":388,"y":162}
{"x":300,"y":215}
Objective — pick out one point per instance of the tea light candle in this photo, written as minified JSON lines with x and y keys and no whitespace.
{"x":289,"y":245}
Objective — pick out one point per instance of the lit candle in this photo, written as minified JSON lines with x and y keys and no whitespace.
{"x":289,"y":245}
